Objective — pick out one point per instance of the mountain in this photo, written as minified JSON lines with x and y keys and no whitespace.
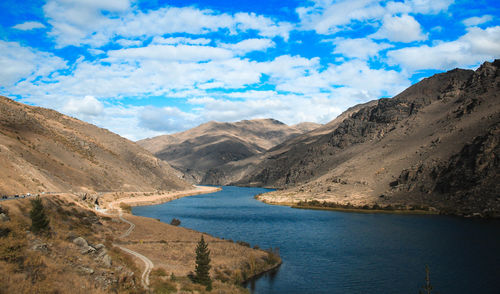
{"x":213,"y":144}
{"x":43,"y":150}
{"x":436,"y":144}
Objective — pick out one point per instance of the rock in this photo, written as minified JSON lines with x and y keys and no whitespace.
{"x":87,"y":249}
{"x":106,"y":260}
{"x":84,"y":270}
{"x":81,"y":242}
{"x":4,"y":217}
{"x":99,"y":247}
{"x":38,"y":245}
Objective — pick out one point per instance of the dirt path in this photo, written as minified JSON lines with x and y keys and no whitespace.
{"x":148,"y":263}
{"x":147,"y":270}
{"x":130,"y":229}
{"x":134,"y":201}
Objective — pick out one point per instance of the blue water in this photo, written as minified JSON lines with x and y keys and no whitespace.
{"x":335,"y":252}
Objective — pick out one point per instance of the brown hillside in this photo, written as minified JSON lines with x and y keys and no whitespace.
{"x":435,"y":144}
{"x":43,"y":150}
{"x":213,"y":144}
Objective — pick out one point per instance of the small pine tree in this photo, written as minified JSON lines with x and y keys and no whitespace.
{"x":202,"y":275}
{"x":427,"y":288}
{"x":39,"y":221}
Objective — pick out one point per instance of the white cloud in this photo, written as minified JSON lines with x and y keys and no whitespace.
{"x":420,"y":6}
{"x":362,"y":48}
{"x":166,"y":119}
{"x":180,"y":40}
{"x":476,"y":46}
{"x":477,"y":20}
{"x":82,"y":22}
{"x":402,"y":28}
{"x":29,"y":25}
{"x":327,"y":16}
{"x":171,"y":53}
{"x":330,"y":16}
{"x":249,"y":45}
{"x":18,"y":62}
{"x":253,"y":94}
{"x":88,"y":106}
{"x":129,"y":43}
{"x":357,"y":75}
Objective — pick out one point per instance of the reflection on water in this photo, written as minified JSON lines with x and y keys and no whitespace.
{"x":334,"y":252}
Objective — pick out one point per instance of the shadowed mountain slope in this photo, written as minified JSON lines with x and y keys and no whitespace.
{"x":435,"y":144}
{"x":43,"y":150}
{"x":213,"y":144}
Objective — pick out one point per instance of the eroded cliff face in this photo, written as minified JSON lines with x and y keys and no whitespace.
{"x":433,"y":145}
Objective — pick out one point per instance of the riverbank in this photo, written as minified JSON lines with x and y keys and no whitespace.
{"x":374,"y":209}
{"x":172,"y":248}
{"x":115,"y":199}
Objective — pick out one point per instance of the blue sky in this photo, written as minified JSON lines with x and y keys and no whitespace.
{"x":145,"y":68}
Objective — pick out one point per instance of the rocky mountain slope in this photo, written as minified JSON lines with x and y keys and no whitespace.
{"x":436,"y":144}
{"x":213,"y":144}
{"x":43,"y":150}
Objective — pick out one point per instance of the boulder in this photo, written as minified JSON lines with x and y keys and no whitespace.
{"x":4,"y":217}
{"x":79,"y":241}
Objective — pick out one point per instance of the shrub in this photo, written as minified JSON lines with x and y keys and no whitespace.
{"x":126,"y":207}
{"x":175,"y":222}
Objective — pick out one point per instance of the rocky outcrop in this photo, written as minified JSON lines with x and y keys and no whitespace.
{"x":98,"y":251}
{"x":433,"y":145}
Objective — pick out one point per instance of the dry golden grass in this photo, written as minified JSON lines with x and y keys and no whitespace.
{"x":59,"y":268}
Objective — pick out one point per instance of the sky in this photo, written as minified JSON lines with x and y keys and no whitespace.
{"x":146,"y":68}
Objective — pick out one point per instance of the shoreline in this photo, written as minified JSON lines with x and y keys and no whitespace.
{"x":159,"y":198}
{"x":352,"y":210}
{"x":368,"y":211}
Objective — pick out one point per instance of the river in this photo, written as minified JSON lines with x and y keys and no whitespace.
{"x":336,"y":252}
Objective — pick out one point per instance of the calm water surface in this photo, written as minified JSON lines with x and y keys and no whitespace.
{"x":334,"y":252}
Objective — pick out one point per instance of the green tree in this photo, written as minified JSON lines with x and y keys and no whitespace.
{"x":427,"y":288}
{"x":39,"y":220}
{"x":202,"y":275}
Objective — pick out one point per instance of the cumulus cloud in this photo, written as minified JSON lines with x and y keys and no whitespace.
{"x":477,"y":20}
{"x":249,"y":45}
{"x":166,"y":119}
{"x":29,"y":25}
{"x":330,"y":16}
{"x":362,"y":48}
{"x":171,"y":52}
{"x":83,"y":22}
{"x":402,"y":28}
{"x":129,"y":43}
{"x":18,"y":62}
{"x":180,"y":40}
{"x":88,"y":106}
{"x":476,"y":46}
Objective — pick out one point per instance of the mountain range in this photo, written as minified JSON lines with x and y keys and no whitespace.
{"x":434,"y":146}
{"x":196,"y":151}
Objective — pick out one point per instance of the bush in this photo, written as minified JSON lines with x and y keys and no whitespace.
{"x":126,"y":207}
{"x":175,"y":222}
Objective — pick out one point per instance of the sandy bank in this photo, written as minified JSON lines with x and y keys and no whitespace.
{"x":113,"y":200}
